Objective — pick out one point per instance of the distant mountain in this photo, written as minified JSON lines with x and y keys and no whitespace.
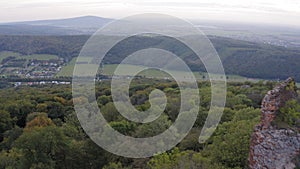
{"x":37,"y":30}
{"x":86,"y":25}
{"x":78,"y":22}
{"x":70,"y":26}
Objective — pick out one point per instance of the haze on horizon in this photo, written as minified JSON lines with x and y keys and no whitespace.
{"x":282,"y":12}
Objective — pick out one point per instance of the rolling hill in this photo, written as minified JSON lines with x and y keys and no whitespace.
{"x":70,"y":26}
{"x":243,"y":58}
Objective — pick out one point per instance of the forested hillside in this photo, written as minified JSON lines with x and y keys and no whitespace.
{"x":239,"y":57}
{"x":66,"y":47}
{"x":39,"y":128}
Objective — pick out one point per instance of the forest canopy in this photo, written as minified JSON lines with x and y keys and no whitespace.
{"x":39,"y":128}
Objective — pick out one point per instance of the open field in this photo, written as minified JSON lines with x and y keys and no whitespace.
{"x":6,"y":54}
{"x":68,"y":69}
{"x":130,"y":69}
{"x":41,"y":57}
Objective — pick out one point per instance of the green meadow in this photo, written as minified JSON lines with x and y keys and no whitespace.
{"x":84,"y":68}
{"x":6,"y":54}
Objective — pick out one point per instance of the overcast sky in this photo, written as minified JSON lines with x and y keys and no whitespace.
{"x":265,"y":11}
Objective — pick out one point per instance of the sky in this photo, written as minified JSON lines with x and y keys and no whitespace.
{"x":284,"y":12}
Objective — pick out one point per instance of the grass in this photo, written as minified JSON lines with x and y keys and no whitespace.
{"x":69,"y":68}
{"x":6,"y":54}
{"x":40,"y":57}
{"x":130,"y":69}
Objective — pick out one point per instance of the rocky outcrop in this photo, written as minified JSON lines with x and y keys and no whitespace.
{"x":270,"y":147}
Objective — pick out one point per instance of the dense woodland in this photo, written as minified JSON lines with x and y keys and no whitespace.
{"x":239,"y":57}
{"x":39,"y":128}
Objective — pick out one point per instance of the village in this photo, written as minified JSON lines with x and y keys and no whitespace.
{"x":13,"y":66}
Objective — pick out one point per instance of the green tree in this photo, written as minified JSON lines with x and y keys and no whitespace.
{"x":6,"y":122}
{"x":231,"y":143}
{"x":289,"y":115}
{"x":181,"y":160}
{"x":151,"y":129}
{"x":45,"y":145}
